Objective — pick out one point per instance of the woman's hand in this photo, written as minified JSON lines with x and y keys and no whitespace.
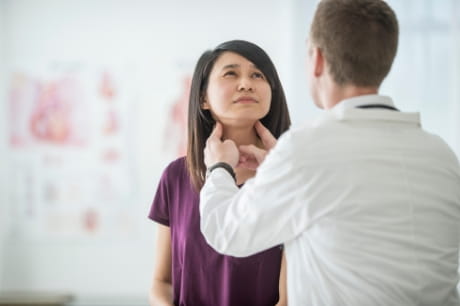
{"x":250,"y":155}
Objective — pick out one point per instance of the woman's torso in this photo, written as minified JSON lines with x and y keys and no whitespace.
{"x":200,"y":275}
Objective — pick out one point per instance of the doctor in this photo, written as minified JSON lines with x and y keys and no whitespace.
{"x":366,"y":203}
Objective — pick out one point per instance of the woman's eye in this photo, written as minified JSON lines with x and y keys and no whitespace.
{"x":258,"y":75}
{"x":229,"y":73}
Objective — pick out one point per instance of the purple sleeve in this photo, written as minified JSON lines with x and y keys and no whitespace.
{"x":159,"y":211}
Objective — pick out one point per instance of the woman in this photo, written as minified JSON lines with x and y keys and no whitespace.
{"x":237,"y":85}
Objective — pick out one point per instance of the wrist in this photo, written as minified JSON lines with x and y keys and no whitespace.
{"x":223,"y":165}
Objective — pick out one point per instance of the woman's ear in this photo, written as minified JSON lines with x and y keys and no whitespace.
{"x":204,"y":103}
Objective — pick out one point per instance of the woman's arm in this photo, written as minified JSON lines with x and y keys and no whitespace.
{"x":283,"y":283}
{"x":161,"y":293}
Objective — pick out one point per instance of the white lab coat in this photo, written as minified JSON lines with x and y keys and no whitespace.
{"x":366,"y":203}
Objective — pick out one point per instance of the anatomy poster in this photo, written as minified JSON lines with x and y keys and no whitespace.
{"x":71,"y":134}
{"x":175,"y":137}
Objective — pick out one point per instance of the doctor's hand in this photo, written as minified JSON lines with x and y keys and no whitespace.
{"x":217,"y":150}
{"x":250,"y":155}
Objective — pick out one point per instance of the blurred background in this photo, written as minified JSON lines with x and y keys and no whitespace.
{"x":93,"y":101}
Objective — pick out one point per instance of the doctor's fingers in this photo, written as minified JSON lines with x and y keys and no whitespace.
{"x":215,"y":136}
{"x":216,"y":133}
{"x":248,"y":164}
{"x":265,"y":135}
{"x":207,"y":157}
{"x":252,"y":150}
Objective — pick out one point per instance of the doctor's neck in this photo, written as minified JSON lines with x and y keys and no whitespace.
{"x":336,"y":94}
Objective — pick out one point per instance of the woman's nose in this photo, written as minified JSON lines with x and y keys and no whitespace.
{"x":245,"y":84}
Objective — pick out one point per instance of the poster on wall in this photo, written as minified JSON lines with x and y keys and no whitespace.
{"x":175,"y":135}
{"x":71,"y":137}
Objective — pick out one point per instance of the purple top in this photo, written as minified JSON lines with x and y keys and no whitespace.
{"x":200,"y":275}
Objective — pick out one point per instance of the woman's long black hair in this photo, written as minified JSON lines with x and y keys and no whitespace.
{"x":200,"y":121}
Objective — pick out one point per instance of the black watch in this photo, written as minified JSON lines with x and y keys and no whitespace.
{"x":221,"y":165}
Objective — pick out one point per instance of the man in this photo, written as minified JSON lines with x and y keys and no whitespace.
{"x":366,"y":203}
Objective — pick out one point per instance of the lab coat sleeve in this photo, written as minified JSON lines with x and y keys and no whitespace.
{"x":265,"y":212}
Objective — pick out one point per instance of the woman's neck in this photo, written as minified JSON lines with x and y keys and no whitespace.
{"x":241,"y":135}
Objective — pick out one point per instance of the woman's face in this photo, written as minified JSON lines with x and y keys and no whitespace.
{"x":238,"y":92}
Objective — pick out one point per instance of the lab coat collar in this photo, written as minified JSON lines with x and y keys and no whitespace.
{"x":363,"y":100}
{"x":347,"y":110}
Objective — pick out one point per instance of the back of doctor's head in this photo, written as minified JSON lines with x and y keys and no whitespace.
{"x":358,"y":39}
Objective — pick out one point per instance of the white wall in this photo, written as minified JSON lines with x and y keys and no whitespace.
{"x":3,"y":175}
{"x":455,"y":77}
{"x":156,"y":39}
{"x":302,"y":106}
{"x":425,"y":74}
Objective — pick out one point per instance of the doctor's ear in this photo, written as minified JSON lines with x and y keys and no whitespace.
{"x":318,"y":62}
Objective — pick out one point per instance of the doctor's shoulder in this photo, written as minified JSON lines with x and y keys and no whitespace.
{"x":308,"y":135}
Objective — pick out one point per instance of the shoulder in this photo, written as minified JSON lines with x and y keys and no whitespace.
{"x":177,"y":166}
{"x":310,"y":132}
{"x":439,"y":147}
{"x":307,"y":143}
{"x":175,"y":179}
{"x":175,"y":169}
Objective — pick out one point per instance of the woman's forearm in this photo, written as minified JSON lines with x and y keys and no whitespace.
{"x":283,"y":282}
{"x":161,"y":294}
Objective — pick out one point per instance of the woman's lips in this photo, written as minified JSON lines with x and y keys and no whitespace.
{"x":245,"y":100}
